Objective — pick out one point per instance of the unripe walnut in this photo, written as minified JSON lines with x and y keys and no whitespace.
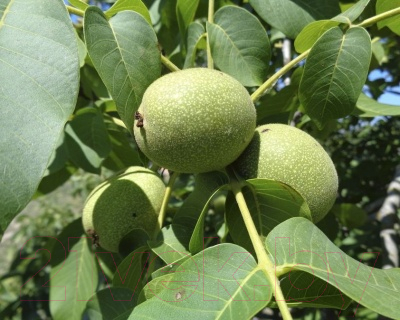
{"x":289,"y":155}
{"x":194,"y":120}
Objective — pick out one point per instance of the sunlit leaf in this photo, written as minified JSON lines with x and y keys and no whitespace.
{"x":222,"y":282}
{"x":335,"y":72}
{"x":185,"y":11}
{"x":291,"y":16}
{"x":392,"y":23}
{"x":240,"y":49}
{"x":195,"y":34}
{"x":125,"y":53}
{"x":133,"y":5}
{"x":297,"y":244}
{"x":39,"y":68}
{"x":372,"y":108}
{"x":352,"y":13}
{"x":311,"y":33}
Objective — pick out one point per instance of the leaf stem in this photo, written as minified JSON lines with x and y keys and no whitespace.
{"x":210,"y":61}
{"x":168,"y":63}
{"x":379,"y":17}
{"x":76,"y":11}
{"x":164,"y":204}
{"x":263,"y":259}
{"x":271,"y":81}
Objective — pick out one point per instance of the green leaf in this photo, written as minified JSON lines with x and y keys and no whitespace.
{"x":392,"y":23}
{"x":297,"y":244}
{"x":87,"y":140}
{"x":291,"y":16}
{"x":350,"y":215}
{"x":195,"y":35}
{"x":52,"y":181}
{"x":205,"y":289}
{"x":171,"y":243}
{"x":111,"y":304}
{"x":78,"y":4}
{"x":185,"y":11}
{"x":38,"y":93}
{"x":196,"y":243}
{"x":73,"y":273}
{"x":132,"y":5}
{"x":352,"y":13}
{"x":125,"y":53}
{"x":302,"y":289}
{"x":334,"y":74}
{"x":132,"y":270}
{"x":283,"y":101}
{"x":123,"y":153}
{"x":372,"y":108}
{"x":206,"y":184}
{"x":270,"y":203}
{"x":240,"y":49}
{"x":311,"y":33}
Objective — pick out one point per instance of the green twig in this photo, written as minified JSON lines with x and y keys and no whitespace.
{"x":271,"y":81}
{"x":164,"y":204}
{"x":168,"y":63}
{"x":264,"y":261}
{"x":379,"y":17}
{"x":76,"y":11}
{"x":210,"y":61}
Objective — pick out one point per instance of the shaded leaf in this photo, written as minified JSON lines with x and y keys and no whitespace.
{"x":350,"y":215}
{"x":270,"y":203}
{"x":73,"y":277}
{"x":38,"y":94}
{"x":195,"y":35}
{"x":206,"y":184}
{"x":171,"y":243}
{"x":297,"y":244}
{"x":111,"y":304}
{"x":372,"y":108}
{"x":283,"y":101}
{"x":125,"y":53}
{"x":87,"y":140}
{"x":132,"y":270}
{"x":133,"y":5}
{"x":392,"y":23}
{"x":291,"y":16}
{"x":335,"y":72}
{"x":123,"y":152}
{"x":244,"y":42}
{"x":52,"y":181}
{"x":203,"y":289}
{"x":302,"y":289}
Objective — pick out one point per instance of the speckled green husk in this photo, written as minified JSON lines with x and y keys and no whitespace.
{"x":195,"y":120}
{"x":129,"y":200}
{"x":289,"y":155}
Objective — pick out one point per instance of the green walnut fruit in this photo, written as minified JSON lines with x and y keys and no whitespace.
{"x":289,"y":155}
{"x":194,"y":120}
{"x":124,"y":202}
